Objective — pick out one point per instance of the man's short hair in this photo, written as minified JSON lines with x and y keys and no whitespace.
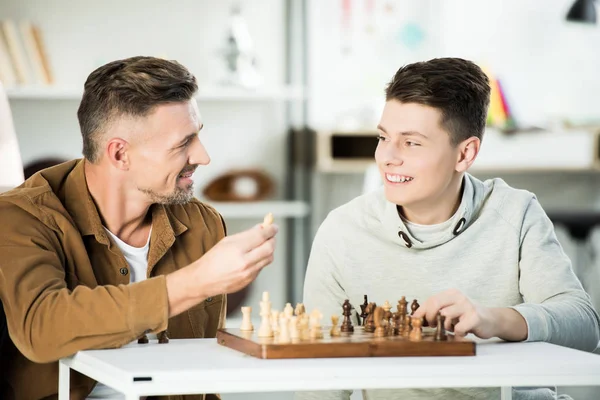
{"x":458,"y":88}
{"x":129,"y":87}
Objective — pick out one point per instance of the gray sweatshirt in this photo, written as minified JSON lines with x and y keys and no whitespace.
{"x":499,"y":249}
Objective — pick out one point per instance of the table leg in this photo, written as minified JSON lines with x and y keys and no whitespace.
{"x":506,"y":393}
{"x":63,"y":381}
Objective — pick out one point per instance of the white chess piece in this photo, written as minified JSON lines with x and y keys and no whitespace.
{"x":284,"y":330}
{"x":315,"y":324}
{"x":246,"y":321}
{"x":288,"y":310}
{"x":275,"y":321}
{"x":294,"y":331}
{"x":265,"y":329}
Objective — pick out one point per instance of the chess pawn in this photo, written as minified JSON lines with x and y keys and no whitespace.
{"x":379,"y":326}
{"x":440,"y":330}
{"x":275,"y":321}
{"x":299,"y":310}
{"x":416,"y":332}
{"x":288,"y":311}
{"x":363,"y":312}
{"x":335,"y":331}
{"x":347,"y":312}
{"x":284,"y":330}
{"x":397,"y":323}
{"x":294,"y":331}
{"x":246,"y":321}
{"x":315,"y":324}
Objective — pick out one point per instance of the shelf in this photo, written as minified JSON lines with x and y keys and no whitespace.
{"x":257,"y":210}
{"x":205,"y":93}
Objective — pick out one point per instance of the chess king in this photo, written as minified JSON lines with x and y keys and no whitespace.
{"x":97,"y":252}
{"x":481,"y":253}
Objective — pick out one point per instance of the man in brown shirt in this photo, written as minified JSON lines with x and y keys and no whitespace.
{"x":65,"y":284}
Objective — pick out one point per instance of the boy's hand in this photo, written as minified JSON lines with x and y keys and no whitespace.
{"x":464,"y":316}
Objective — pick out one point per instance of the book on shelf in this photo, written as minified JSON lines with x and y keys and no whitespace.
{"x":23,"y":58}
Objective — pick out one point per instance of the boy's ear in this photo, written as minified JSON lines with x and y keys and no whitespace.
{"x":467,"y":153}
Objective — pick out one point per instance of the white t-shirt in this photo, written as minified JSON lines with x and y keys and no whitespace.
{"x":137,"y":258}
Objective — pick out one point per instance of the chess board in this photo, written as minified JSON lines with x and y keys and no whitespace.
{"x":356,"y":344}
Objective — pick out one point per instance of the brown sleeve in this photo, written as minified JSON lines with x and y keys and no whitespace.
{"x":48,"y":321}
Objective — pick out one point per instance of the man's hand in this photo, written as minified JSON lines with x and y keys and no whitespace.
{"x":462,"y":316}
{"x":229,"y":266}
{"x":236,"y":260}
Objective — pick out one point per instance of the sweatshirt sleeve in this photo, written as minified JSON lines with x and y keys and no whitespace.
{"x":46,"y":319}
{"x":556,"y":308}
{"x":324,"y":290}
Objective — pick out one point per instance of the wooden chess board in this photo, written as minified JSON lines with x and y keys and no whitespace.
{"x":356,"y":344}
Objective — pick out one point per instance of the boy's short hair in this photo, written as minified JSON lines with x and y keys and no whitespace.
{"x":129,"y":87}
{"x":458,"y":88}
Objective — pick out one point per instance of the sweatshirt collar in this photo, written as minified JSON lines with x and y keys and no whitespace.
{"x":399,"y":233}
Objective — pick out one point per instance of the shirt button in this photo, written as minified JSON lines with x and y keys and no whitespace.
{"x":208,"y":299}
{"x":124,"y":271}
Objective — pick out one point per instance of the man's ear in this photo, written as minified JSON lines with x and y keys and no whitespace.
{"x":467,"y":153}
{"x":117,"y":152}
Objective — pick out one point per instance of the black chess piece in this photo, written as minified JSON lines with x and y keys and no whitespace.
{"x":347,"y":324}
{"x":163,"y":337}
{"x":440,"y":331}
{"x":143,"y":339}
{"x":363,"y":313}
{"x":370,"y":324}
{"x":413,"y":307}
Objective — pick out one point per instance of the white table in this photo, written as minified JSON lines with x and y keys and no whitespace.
{"x":203,"y":366}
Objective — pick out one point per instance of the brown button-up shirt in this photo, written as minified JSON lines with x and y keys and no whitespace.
{"x":62,"y":286}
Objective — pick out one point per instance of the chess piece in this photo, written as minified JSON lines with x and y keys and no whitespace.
{"x":265,"y":329}
{"x":379,"y":322}
{"x":284,"y":330}
{"x":370,"y":324}
{"x":303,"y":327}
{"x":163,"y":337}
{"x":347,"y":323}
{"x":335,"y":330}
{"x":315,"y":324}
{"x":288,"y":310}
{"x":416,"y":333}
{"x":402,"y":305}
{"x":363,"y":312}
{"x":246,"y":321}
{"x":414,"y":307}
{"x":294,"y":331}
{"x":299,"y":310}
{"x":268,"y":220}
{"x":440,"y":331}
{"x":143,"y":339}
{"x":275,"y":321}
{"x":387,"y":316}
{"x":397,"y":322}
{"x":406,"y":326}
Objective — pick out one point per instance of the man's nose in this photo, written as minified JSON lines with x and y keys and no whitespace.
{"x":198,"y":154}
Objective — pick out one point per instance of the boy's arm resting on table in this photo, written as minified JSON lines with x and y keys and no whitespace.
{"x":556,"y":308}
{"x":323,"y":290}
{"x":48,"y":321}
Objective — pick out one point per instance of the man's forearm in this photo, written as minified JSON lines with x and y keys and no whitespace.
{"x":181,"y":294}
{"x":510,"y":325}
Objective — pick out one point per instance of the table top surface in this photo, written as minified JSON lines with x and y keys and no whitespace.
{"x":203,"y":366}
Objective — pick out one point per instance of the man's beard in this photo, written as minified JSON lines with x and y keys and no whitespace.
{"x":178,"y":196}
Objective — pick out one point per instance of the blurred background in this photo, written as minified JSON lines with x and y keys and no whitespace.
{"x":291,"y":92}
